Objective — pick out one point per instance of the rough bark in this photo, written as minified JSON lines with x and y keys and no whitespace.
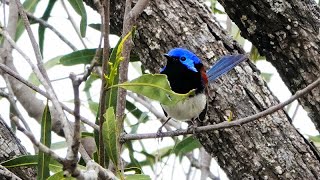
{"x":269,"y":148}
{"x":11,"y":147}
{"x":287,"y":33}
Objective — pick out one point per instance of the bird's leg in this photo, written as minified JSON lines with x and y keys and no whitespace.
{"x":159,"y":132}
{"x":192,"y":126}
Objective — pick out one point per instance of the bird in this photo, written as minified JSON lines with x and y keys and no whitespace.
{"x":185,"y":71}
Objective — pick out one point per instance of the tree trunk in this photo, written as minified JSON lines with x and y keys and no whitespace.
{"x":269,"y":148}
{"x":287,"y":33}
{"x":11,"y":147}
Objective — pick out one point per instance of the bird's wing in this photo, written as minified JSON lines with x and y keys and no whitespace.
{"x":224,"y":65}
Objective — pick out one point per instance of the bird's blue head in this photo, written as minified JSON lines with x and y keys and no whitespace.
{"x":185,"y":56}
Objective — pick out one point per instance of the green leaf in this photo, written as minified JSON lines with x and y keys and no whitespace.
{"x":29,"y":6}
{"x":24,"y":160}
{"x":45,"y":139}
{"x":78,"y":6}
{"x":156,"y":87}
{"x":28,"y":160}
{"x":110,"y":135}
{"x":41,"y":28}
{"x":84,"y":56}
{"x":48,"y":65}
{"x":136,"y":112}
{"x":188,"y":144}
{"x":137,"y":177}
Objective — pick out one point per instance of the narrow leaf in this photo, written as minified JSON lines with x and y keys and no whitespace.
{"x":156,"y":87}
{"x":25,"y":160}
{"x":44,"y":159}
{"x":84,"y":56}
{"x":41,"y":28}
{"x":28,"y":160}
{"x":110,"y":135}
{"x":78,"y":6}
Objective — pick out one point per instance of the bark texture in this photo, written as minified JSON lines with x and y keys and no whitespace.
{"x":269,"y":148}
{"x":287,"y":33}
{"x":11,"y":147}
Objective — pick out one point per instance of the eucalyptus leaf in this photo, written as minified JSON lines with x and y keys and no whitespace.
{"x":45,"y":139}
{"x":41,"y":28}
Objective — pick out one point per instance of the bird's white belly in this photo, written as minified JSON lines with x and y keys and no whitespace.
{"x":187,"y":109}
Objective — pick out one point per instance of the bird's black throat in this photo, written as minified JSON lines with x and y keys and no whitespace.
{"x":182,"y":79}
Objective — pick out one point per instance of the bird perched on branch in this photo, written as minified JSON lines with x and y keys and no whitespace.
{"x":185,"y":72}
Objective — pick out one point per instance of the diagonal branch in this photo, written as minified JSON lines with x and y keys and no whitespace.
{"x":225,"y":124}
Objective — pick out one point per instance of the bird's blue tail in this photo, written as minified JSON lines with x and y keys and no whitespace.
{"x":224,"y":65}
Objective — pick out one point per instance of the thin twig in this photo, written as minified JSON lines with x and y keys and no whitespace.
{"x":43,"y":93}
{"x":76,"y":131}
{"x":53,"y":29}
{"x":225,"y":124}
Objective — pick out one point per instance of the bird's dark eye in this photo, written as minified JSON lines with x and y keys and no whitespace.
{"x":183,"y":58}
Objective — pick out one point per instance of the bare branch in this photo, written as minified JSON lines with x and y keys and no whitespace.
{"x":225,"y":124}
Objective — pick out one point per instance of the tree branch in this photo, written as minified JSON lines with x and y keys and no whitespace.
{"x":225,"y":124}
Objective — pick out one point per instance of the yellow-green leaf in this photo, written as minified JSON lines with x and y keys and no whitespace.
{"x":156,"y":87}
